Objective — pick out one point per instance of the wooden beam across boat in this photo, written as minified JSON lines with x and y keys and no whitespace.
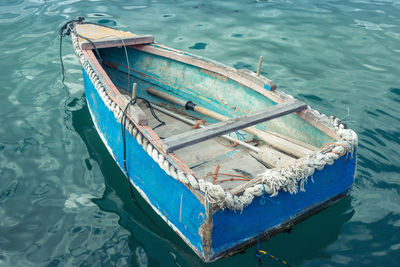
{"x":193,"y":137}
{"x":291,"y":147}
{"x":102,"y":37}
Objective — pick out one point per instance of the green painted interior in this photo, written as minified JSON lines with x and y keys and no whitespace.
{"x":204,"y":88}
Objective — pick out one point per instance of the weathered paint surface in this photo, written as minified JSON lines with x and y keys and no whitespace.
{"x":231,"y":228}
{"x":218,"y":94}
{"x":162,"y":192}
{"x":106,"y":37}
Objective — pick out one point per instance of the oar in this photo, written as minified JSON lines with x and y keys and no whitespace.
{"x":189,"y":105}
{"x":276,"y":142}
{"x":268,"y":156}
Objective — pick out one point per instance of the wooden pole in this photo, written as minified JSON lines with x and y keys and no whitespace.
{"x":165,"y":96}
{"x":259,"y":65}
{"x":134,"y":90}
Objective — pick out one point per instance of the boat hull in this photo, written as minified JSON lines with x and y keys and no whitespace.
{"x":266,"y":216}
{"x":226,"y":231}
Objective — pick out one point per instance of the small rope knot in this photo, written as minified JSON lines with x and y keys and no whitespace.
{"x":330,"y":149}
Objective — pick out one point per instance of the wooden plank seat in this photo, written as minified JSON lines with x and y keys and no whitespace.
{"x":199,"y":135}
{"x":103,"y":37}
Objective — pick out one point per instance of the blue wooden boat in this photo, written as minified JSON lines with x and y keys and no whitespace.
{"x":235,"y":160}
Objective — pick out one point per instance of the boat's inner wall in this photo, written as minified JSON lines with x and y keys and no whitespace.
{"x":209,"y":89}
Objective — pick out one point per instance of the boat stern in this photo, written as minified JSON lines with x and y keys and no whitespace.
{"x":235,"y":231}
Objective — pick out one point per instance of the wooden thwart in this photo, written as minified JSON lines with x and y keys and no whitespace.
{"x":192,"y":137}
{"x":103,"y":37}
{"x":293,"y":147}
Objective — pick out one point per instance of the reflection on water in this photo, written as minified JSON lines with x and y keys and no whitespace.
{"x":63,"y":200}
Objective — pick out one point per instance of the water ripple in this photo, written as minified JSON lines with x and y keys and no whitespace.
{"x":64,"y":202}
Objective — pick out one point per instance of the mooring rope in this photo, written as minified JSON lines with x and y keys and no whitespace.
{"x":123,"y":133}
{"x":259,"y":254}
{"x":131,"y":190}
{"x":65,"y":31}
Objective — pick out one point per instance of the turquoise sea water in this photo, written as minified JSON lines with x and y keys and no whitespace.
{"x":63,"y":200}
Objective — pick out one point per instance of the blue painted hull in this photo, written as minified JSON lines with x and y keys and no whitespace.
{"x":230,"y":231}
{"x":172,"y":200}
{"x":272,"y":215}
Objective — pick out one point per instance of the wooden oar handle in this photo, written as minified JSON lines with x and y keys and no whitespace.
{"x":165,"y":96}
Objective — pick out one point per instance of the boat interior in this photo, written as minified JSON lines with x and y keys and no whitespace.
{"x":231,"y":136}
